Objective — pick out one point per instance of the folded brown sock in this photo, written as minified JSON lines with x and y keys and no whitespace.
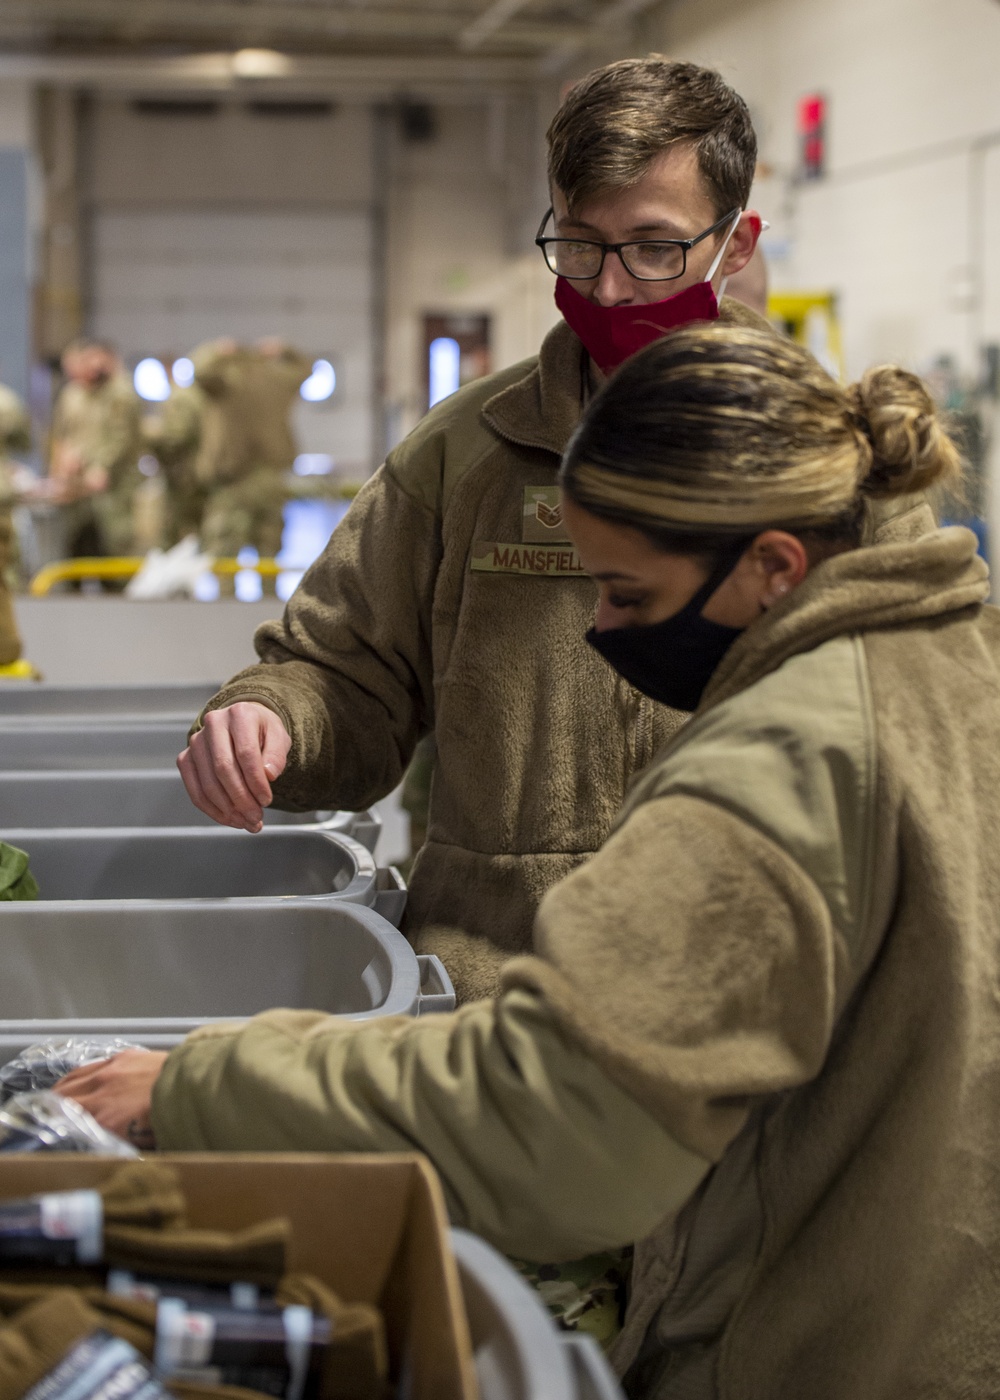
{"x":39,"y":1337}
{"x":134,"y":1319}
{"x":357,"y":1360}
{"x":144,"y":1193}
{"x":255,"y":1255}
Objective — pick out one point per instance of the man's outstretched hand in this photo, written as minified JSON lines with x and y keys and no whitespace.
{"x":118,"y":1093}
{"x":230,"y":764}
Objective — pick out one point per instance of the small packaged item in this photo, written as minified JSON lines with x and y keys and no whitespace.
{"x":44,"y":1064}
{"x":97,"y":1367}
{"x":45,"y":1122}
{"x":277,"y":1350}
{"x":62,"y":1229}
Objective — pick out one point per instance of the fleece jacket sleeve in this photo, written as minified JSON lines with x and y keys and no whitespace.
{"x":348,"y":669}
{"x":696,"y":961}
{"x":537,"y":1149}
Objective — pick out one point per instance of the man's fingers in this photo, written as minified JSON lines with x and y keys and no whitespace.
{"x":220,"y":768}
{"x":214,"y":792}
{"x":226,"y":815}
{"x":248,"y":737}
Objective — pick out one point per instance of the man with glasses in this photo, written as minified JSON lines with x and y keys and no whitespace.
{"x":450,"y":599}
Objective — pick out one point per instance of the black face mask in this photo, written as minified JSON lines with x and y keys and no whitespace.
{"x":672,"y":661}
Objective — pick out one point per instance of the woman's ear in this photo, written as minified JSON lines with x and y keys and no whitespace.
{"x":781,"y":563}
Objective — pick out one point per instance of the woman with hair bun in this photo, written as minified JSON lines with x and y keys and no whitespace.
{"x":760,"y":1029}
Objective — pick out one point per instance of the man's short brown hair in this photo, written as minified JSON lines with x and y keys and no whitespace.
{"x":618,"y":119}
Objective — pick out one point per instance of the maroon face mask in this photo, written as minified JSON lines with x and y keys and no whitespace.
{"x":613,"y":333}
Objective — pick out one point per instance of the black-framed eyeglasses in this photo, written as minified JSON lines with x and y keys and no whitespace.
{"x":659,"y":260}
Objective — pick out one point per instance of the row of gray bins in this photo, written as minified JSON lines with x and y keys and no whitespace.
{"x":153,"y":920}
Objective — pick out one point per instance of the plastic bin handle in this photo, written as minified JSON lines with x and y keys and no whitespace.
{"x":436,"y":992}
{"x":595,"y":1378}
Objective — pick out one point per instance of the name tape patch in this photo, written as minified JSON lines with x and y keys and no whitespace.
{"x":555,"y":561}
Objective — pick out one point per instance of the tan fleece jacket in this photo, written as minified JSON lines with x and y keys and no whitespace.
{"x":395,"y":631}
{"x":770,"y":996}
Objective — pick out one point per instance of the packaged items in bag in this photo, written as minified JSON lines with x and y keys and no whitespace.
{"x":44,"y":1064}
{"x":45,"y":1122}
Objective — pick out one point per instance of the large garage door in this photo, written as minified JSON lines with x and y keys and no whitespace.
{"x":165,"y":280}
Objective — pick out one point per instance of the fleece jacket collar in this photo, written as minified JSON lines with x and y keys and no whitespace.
{"x":542,"y":409}
{"x":883,"y":585}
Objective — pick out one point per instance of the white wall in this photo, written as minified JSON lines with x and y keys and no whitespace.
{"x":896,"y":227}
{"x":241,"y":225}
{"x":462,"y":212}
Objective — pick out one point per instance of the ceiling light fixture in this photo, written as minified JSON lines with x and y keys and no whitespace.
{"x":261,"y":63}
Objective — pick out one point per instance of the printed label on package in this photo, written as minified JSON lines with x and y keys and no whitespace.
{"x":63,"y":1227}
{"x":100,"y":1367}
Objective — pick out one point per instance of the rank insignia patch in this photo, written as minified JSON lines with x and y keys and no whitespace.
{"x":542,"y":520}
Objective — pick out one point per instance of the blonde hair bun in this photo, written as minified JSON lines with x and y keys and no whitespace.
{"x":910,"y":447}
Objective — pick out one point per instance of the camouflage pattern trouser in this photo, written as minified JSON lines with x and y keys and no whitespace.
{"x":587,"y":1295}
{"x":248,"y":512}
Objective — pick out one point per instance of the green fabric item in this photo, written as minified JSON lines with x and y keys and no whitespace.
{"x":16,"y":880}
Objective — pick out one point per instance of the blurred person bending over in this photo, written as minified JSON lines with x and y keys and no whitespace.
{"x":96,"y":445}
{"x":247,"y":446}
{"x":174,"y":436}
{"x":450,"y":598}
{"x":759,"y":1032}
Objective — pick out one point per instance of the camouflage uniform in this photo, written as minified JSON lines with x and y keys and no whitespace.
{"x":15,"y":436}
{"x":174,"y":437}
{"x":102,"y":423}
{"x":587,"y":1295}
{"x":247,"y":444}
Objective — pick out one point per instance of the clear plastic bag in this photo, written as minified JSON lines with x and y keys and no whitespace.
{"x":45,"y":1122}
{"x":43,"y":1065}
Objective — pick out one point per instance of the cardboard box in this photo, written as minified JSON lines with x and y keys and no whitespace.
{"x":373,"y":1227}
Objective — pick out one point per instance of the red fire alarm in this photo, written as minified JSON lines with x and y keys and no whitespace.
{"x":812,"y":136}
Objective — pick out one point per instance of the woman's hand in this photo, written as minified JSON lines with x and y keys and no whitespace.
{"x":229,"y":765}
{"x":118,"y":1093}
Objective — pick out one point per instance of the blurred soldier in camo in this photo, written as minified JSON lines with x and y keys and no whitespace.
{"x":174,"y":436}
{"x":96,"y":444}
{"x":17,"y":484}
{"x":247,"y":446}
{"x":15,"y":436}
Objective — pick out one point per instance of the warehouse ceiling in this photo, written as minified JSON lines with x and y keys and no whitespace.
{"x":312,"y":43}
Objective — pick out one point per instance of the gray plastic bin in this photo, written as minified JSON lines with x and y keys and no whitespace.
{"x":53,"y":745}
{"x":519,"y":1352}
{"x":142,"y":797}
{"x":22,"y":702}
{"x":152,"y":972}
{"x":188,"y":862}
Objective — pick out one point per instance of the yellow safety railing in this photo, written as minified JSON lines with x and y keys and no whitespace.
{"x":811,"y":319}
{"x":20,"y":671}
{"x":110,"y":570}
